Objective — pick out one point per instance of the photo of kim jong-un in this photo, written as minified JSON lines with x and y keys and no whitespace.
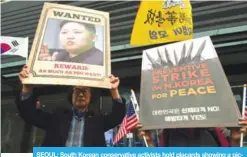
{"x":71,"y":46}
{"x":72,"y":41}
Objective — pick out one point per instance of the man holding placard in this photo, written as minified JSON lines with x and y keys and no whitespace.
{"x":71,"y":127}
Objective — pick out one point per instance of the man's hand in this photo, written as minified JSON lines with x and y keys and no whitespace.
{"x":22,"y":75}
{"x":243,"y":121}
{"x":141,"y":133}
{"x":45,"y":55}
{"x":236,"y":132}
{"x":114,"y":82}
{"x":114,"y":87}
{"x":146,"y":134}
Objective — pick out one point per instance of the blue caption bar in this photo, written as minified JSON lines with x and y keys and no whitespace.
{"x":140,"y":152}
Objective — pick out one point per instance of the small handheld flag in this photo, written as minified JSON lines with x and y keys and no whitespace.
{"x":129,"y":123}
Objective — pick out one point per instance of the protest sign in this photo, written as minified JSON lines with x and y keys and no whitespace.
{"x":162,"y":21}
{"x":71,"y":47}
{"x":183,"y":85}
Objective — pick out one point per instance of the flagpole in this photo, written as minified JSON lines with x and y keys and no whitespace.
{"x":137,"y":115}
{"x":243,"y":113}
{"x":144,"y":138}
{"x":27,"y":49}
{"x":157,"y":136}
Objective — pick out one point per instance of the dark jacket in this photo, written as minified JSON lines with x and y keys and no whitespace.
{"x":93,"y":56}
{"x":57,"y":124}
{"x":195,"y":137}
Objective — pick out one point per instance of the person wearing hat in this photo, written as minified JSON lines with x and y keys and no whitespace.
{"x":74,"y":127}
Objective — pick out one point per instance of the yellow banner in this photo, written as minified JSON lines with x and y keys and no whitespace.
{"x":161,"y":22}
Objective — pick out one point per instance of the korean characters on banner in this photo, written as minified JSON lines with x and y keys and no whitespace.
{"x":71,"y":47}
{"x":162,"y":21}
{"x":183,"y":85}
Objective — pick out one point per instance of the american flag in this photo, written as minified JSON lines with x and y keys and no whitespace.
{"x":129,"y":122}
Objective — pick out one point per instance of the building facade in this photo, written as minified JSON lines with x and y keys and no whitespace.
{"x":225,"y":22}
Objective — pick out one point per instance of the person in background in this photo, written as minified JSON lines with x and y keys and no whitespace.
{"x":198,"y":137}
{"x":76,"y":126}
{"x":78,"y":40}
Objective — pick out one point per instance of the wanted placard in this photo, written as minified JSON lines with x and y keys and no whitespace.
{"x":71,"y":47}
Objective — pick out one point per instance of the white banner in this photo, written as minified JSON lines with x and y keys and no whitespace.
{"x":14,"y":46}
{"x":134,"y":101}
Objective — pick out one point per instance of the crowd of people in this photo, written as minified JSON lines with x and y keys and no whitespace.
{"x":78,"y":126}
